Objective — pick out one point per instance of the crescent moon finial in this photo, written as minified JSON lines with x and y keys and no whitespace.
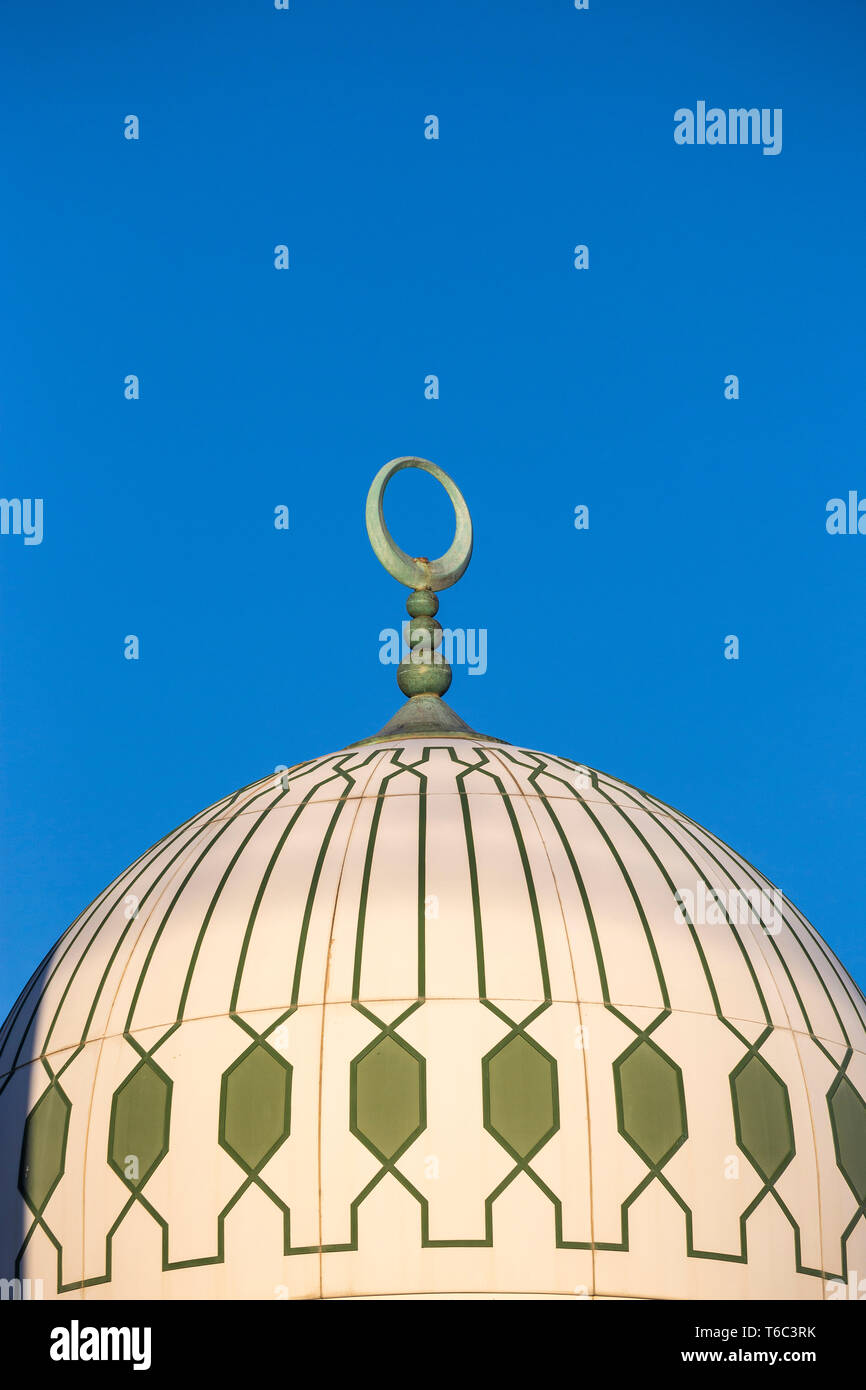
{"x":424,"y":673}
{"x":417,"y":572}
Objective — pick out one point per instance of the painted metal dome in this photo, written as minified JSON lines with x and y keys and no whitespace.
{"x":436,"y":1016}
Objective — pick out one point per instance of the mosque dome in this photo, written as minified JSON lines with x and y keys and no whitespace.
{"x":436,"y":1015}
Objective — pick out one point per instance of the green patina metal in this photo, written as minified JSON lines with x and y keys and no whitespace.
{"x":419,"y":572}
{"x":424,"y":675}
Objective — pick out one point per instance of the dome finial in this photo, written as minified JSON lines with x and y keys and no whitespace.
{"x":424,"y":671}
{"x":424,"y":675}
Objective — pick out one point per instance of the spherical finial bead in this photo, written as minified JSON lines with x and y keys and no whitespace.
{"x":424,"y":671}
{"x":420,"y":678}
{"x":422,"y":603}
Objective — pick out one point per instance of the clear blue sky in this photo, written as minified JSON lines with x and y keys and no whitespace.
{"x":558,"y":387}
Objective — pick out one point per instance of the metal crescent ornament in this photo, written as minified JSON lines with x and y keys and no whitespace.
{"x":417,"y":573}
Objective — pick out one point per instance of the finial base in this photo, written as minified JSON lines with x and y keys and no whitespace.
{"x":425,"y":716}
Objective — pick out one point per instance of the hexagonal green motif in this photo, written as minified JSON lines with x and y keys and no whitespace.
{"x":43,"y":1150}
{"x":650,"y":1101}
{"x":138,"y":1133}
{"x":255,"y":1106}
{"x":388,"y":1101}
{"x":762,"y":1117}
{"x":848,"y":1119}
{"x":521,"y":1105}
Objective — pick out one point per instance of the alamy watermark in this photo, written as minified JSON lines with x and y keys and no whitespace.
{"x":77,"y":1343}
{"x":460,"y":646}
{"x":854,"y":1289}
{"x":22,"y":516}
{"x":846,"y":516}
{"x":21,"y":1290}
{"x":736,"y":126}
{"x":705,"y":906}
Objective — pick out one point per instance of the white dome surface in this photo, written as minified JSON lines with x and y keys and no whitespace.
{"x":427,"y":1018}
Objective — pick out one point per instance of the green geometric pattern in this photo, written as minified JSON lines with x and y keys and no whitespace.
{"x":387,"y":1110}
{"x":521,"y":1106}
{"x":519,"y":1095}
{"x":43,"y":1150}
{"x":650,"y":1102}
{"x":139,"y":1132}
{"x":255,"y":1106}
{"x":762,"y":1117}
{"x":848,"y":1119}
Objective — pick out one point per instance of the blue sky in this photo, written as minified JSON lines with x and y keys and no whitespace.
{"x":558,"y":387}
